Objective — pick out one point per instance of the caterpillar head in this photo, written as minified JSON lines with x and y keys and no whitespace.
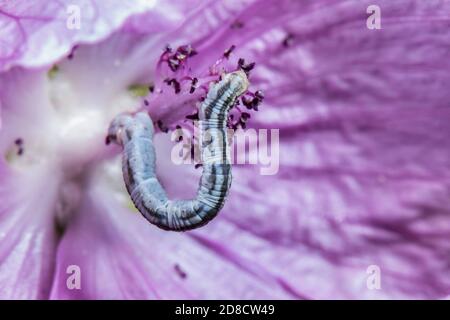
{"x":125,"y":124}
{"x":238,"y":81}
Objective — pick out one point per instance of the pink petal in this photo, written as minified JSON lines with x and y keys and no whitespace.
{"x":37,"y":34}
{"x":27,"y":234}
{"x":121,"y":256}
{"x":364,"y":174}
{"x":364,"y":168}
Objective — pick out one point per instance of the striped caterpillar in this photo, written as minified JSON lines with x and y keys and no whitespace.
{"x":135,"y":134}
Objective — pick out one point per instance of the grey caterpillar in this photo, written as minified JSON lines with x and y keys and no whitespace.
{"x":135,"y":134}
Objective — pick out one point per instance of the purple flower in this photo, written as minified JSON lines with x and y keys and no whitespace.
{"x":364,"y":176}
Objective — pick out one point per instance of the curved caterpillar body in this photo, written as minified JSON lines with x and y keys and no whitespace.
{"x":135,"y":134}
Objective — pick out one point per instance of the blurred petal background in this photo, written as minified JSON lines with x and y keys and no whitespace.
{"x":364,"y":175}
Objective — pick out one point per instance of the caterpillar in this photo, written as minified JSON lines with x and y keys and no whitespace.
{"x":135,"y":134}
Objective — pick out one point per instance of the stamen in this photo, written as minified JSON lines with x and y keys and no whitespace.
{"x":174,"y":64}
{"x":173,"y":82}
{"x":245,"y":116}
{"x":288,"y":40}
{"x":180,"y":272}
{"x":259,"y":94}
{"x":178,"y":58}
{"x":185,"y":83}
{"x":187,"y":50}
{"x":254,"y":101}
{"x":180,"y":133}
{"x":15,"y":151}
{"x":193,"y":85}
{"x":227,"y":52}
{"x":19,"y":143}
{"x":162,"y":127}
{"x":246,"y":67}
{"x":193,"y":117}
{"x":72,"y":52}
{"x":237,"y":25}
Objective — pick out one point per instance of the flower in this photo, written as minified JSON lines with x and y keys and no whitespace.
{"x":364,"y":177}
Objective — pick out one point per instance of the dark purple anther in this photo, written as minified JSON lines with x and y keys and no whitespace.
{"x":180,"y":138}
{"x":146,"y":102}
{"x":175,"y":60}
{"x":174,"y":64}
{"x":168,"y":49}
{"x":193,"y":85}
{"x":227,"y":52}
{"x":254,"y":102}
{"x":237,"y":25}
{"x":162,"y":127}
{"x":198,"y":165}
{"x":192,"y":151}
{"x":243,"y":120}
{"x":245,"y":116}
{"x":192,"y":117}
{"x":19,"y":143}
{"x":259,"y":94}
{"x":173,"y":82}
{"x":180,"y":272}
{"x":187,"y":50}
{"x":72,"y":52}
{"x":287,"y":42}
{"x":248,"y":103}
{"x":246,"y":67}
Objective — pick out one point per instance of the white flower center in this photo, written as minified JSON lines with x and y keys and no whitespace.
{"x":72,"y":128}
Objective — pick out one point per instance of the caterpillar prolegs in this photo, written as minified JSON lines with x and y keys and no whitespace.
{"x":135,"y":134}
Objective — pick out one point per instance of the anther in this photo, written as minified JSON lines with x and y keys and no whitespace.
{"x":173,"y":82}
{"x":237,"y":25}
{"x":193,"y":117}
{"x":246,"y":67}
{"x":19,"y":143}
{"x":162,"y":127}
{"x":193,"y":85}
{"x":227,"y":52}
{"x":72,"y":52}
{"x":288,"y":40}
{"x":180,"y":272}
